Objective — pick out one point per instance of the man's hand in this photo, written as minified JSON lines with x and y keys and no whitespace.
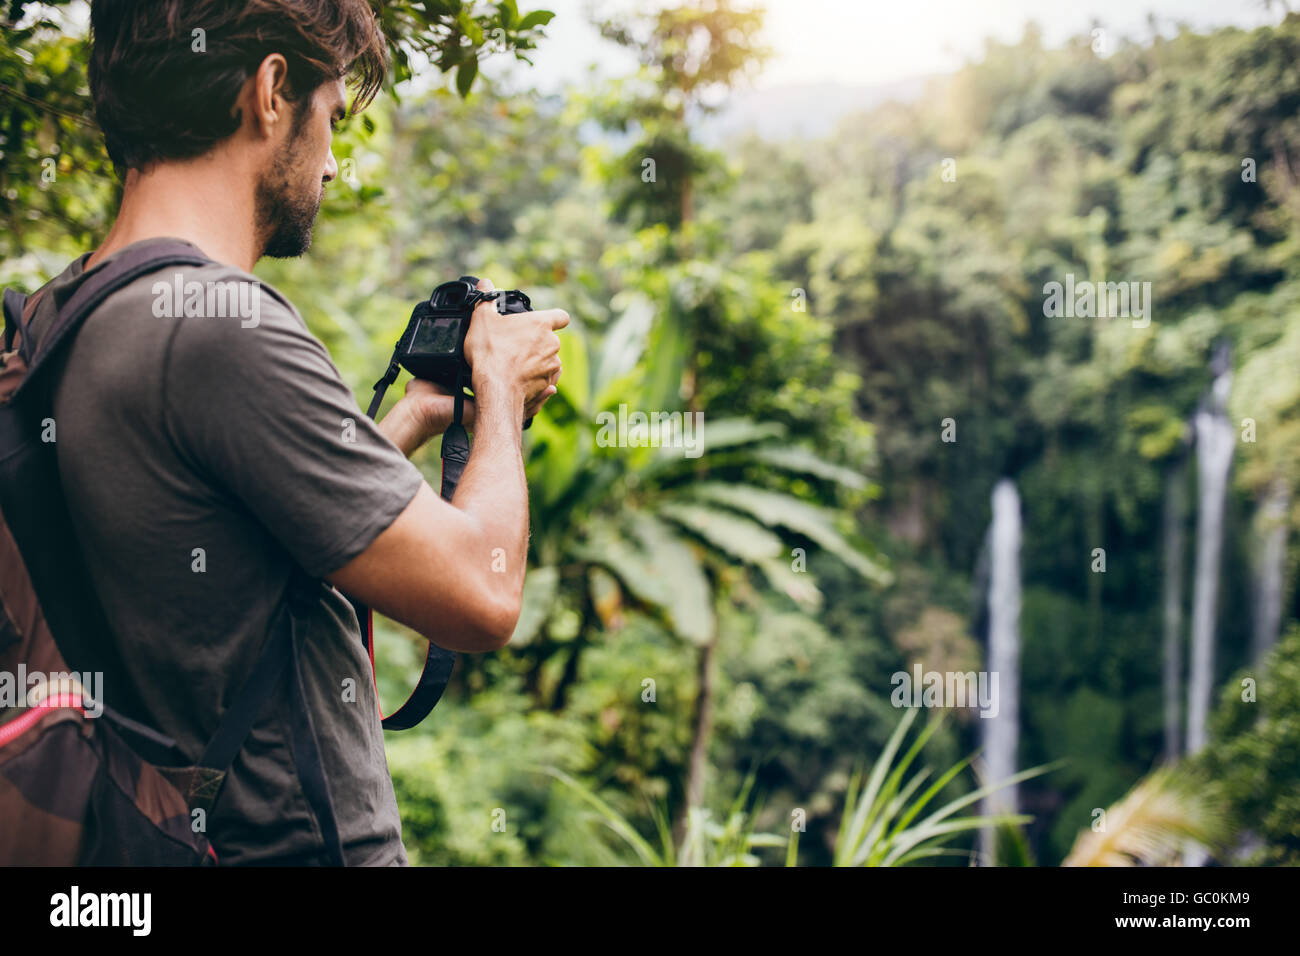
{"x":518,"y":353}
{"x":431,"y":406}
{"x":426,"y":409}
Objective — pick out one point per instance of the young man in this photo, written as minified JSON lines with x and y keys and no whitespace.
{"x":204,"y":456}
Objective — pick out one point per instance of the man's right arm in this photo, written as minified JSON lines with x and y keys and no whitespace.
{"x":454,"y":571}
{"x":432,"y":568}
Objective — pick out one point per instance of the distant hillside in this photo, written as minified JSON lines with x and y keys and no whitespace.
{"x":802,"y":110}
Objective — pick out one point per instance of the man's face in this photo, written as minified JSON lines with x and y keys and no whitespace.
{"x":289,"y":194}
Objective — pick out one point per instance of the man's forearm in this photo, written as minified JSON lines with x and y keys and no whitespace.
{"x":493,"y":490}
{"x":403,"y":429}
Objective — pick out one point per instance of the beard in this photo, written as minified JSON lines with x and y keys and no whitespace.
{"x":286,"y":206}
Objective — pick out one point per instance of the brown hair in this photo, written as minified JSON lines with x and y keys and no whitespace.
{"x":158,"y":97}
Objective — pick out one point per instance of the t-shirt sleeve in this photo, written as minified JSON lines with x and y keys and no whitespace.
{"x":260,"y":409}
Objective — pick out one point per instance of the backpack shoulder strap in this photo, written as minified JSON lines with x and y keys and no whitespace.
{"x":279,"y":659}
{"x":99,"y":284}
{"x":14,"y":303}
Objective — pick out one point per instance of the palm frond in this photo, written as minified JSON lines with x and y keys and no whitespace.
{"x":877,"y":827}
{"x":777,"y":509}
{"x":611,"y":817}
{"x":1152,"y":824}
{"x":804,"y":461}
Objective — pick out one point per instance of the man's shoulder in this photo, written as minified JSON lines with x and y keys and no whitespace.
{"x":178,"y":291}
{"x":207,"y":290}
{"x":211,"y":290}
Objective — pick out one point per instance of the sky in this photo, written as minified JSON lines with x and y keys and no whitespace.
{"x":883,"y":41}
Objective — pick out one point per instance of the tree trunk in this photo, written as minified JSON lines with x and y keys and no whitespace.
{"x":568,"y":677}
{"x":701,"y":734}
{"x":560,"y":696}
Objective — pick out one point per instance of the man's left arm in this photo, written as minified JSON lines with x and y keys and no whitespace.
{"x":426,"y":410}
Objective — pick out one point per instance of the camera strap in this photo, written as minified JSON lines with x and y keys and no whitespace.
{"x":381,"y":386}
{"x":455,"y":443}
{"x":438,"y":662}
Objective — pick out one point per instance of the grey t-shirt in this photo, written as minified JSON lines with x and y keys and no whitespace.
{"x":201,"y":456}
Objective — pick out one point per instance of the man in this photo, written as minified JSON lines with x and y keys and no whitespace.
{"x":204,"y":456}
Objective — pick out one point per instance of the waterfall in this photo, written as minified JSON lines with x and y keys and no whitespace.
{"x":1174,"y":520}
{"x":1269,"y":571}
{"x":1002,"y":733}
{"x":1215,"y":438}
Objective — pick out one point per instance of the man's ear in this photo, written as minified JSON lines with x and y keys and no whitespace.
{"x":265,"y":91}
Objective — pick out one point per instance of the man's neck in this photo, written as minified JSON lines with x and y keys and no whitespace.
{"x":200,"y":201}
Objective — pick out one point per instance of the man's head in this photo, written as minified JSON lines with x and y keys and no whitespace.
{"x":257,"y":83}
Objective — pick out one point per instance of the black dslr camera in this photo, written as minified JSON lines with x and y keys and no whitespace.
{"x":433,"y":345}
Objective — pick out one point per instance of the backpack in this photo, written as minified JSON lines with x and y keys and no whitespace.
{"x":85,"y":781}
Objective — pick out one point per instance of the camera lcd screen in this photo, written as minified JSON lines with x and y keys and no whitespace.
{"x":436,"y":336}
